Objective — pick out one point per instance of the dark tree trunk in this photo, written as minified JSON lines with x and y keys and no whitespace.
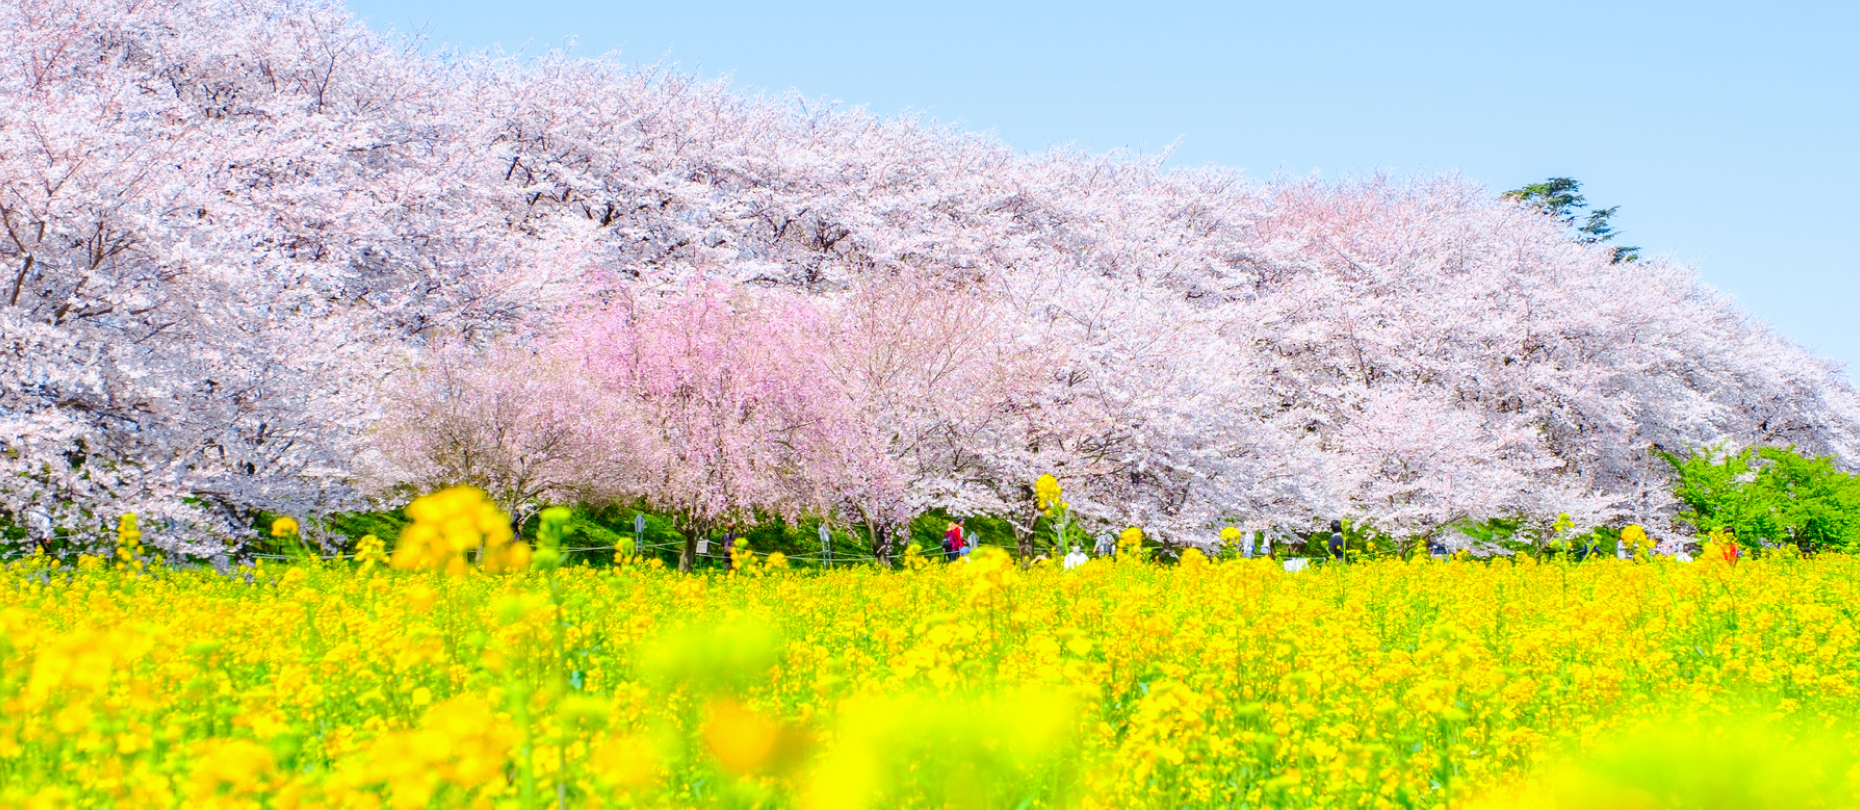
{"x":880,"y":532}
{"x":687,"y":555}
{"x":881,"y":541}
{"x":1023,"y":535}
{"x":896,"y":537}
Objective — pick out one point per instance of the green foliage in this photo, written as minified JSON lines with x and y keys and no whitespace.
{"x":1362,"y":539}
{"x":1561,"y":197}
{"x":1506,"y":533}
{"x":800,"y":540}
{"x":1563,"y":541}
{"x":1520,"y":535}
{"x":591,"y":533}
{"x":1052,"y":534}
{"x":1771,"y":494}
{"x":550,"y":532}
{"x":927,"y":531}
{"x":1601,"y":541}
{"x":1558,"y":196}
{"x":354,"y":525}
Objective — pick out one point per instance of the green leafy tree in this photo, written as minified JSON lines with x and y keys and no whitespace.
{"x":1561,"y":197}
{"x":1771,"y":494}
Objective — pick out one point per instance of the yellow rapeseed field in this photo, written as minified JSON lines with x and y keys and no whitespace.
{"x":431,"y":683}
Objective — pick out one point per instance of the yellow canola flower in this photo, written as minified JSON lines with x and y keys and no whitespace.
{"x":1230,"y":539}
{"x":1130,"y":543}
{"x":370,"y":551}
{"x":913,"y":558}
{"x":128,"y":543}
{"x":989,"y":570}
{"x":1743,"y":763}
{"x":454,"y":527}
{"x":1635,"y":538}
{"x":283,"y":527}
{"x":460,"y":751}
{"x":742,"y":560}
{"x":1047,"y":493}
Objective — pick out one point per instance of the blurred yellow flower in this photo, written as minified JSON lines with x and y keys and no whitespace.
{"x":747,"y":742}
{"x":452,"y":527}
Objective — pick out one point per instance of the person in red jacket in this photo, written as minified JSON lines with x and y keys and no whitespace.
{"x":952,"y":542}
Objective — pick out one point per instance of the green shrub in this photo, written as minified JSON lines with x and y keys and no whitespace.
{"x":1769,"y":494}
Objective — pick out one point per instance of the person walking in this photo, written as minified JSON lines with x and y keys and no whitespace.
{"x":963,"y":542}
{"x":952,"y":542}
{"x":1336,"y":539}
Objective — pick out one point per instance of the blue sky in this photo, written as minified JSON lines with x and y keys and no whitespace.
{"x":1728,"y":133}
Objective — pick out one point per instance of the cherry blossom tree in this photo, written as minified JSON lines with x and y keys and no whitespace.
{"x":938,"y":390}
{"x":512,"y":421}
{"x":218,"y":217}
{"x":726,"y":401}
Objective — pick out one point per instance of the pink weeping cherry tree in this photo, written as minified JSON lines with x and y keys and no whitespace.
{"x":728,"y":403}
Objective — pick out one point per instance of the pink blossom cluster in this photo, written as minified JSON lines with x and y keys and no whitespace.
{"x":259,"y":258}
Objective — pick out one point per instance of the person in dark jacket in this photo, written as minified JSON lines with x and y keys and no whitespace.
{"x":1336,"y":539}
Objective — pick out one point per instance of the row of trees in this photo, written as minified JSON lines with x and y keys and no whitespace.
{"x":261,"y":259}
{"x":725,"y":405}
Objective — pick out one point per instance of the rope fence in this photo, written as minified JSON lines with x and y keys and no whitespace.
{"x":813,"y":557}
